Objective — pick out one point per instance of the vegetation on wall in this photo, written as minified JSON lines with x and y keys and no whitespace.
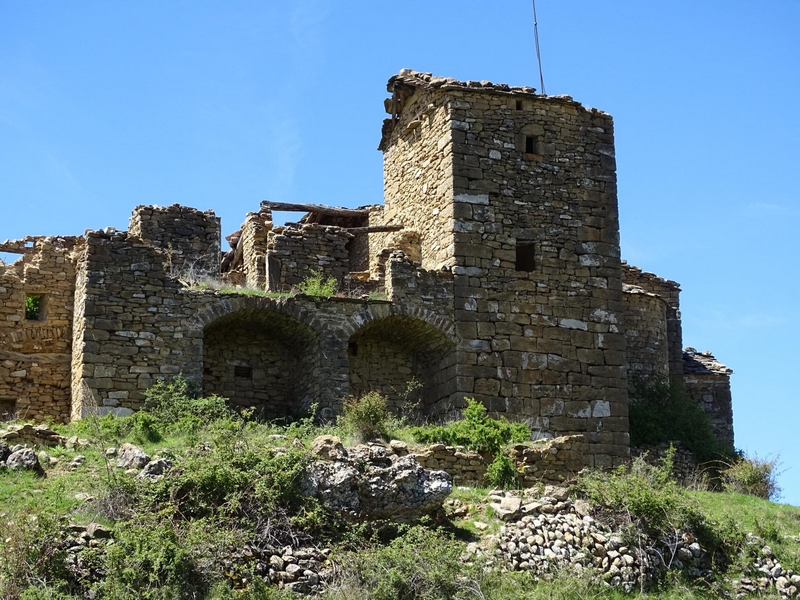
{"x":660,"y":412}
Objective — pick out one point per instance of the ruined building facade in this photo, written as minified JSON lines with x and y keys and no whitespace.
{"x":492,"y":271}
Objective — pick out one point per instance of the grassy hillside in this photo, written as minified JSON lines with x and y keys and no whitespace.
{"x":220,"y":522}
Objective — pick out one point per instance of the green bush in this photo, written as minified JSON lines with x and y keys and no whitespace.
{"x":367,"y":417}
{"x":316,"y":284}
{"x":421,"y":564}
{"x":502,"y":472}
{"x":149,"y":561}
{"x":176,"y":406}
{"x":753,"y":476}
{"x":645,"y":498}
{"x":476,"y":431}
{"x":660,"y":412}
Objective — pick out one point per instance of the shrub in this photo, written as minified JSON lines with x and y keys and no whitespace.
{"x":422,"y":564}
{"x":661,"y":412}
{"x":502,"y":472}
{"x":477,"y":431}
{"x":316,"y":284}
{"x":367,"y":417}
{"x":753,"y":476}
{"x":644,"y":498}
{"x":175,"y":407}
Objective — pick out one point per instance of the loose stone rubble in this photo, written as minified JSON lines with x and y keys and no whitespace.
{"x":554,"y":532}
{"x":371,"y":483}
{"x":767,"y":574}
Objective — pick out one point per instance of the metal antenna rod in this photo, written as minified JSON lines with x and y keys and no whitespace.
{"x":538,"y":52}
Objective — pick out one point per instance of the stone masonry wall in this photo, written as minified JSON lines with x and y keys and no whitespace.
{"x":294,"y":252}
{"x":191,"y":238}
{"x":670,"y":292}
{"x":34,"y":353}
{"x":547,"y":461}
{"x":707,"y":381}
{"x":417,"y":175}
{"x":255,"y":235}
{"x":646,"y":333}
{"x":543,"y":344}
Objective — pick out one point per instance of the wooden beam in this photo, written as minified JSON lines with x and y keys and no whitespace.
{"x":374,"y":229}
{"x":315,"y":208}
{"x":38,"y":358}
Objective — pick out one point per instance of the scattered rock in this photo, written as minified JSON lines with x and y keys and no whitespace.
{"x":111,"y":452}
{"x":328,"y":447}
{"x":155,"y":470}
{"x":400,"y":448}
{"x":24,"y":459}
{"x":508,"y":507}
{"x":131,"y":457}
{"x":403,"y":491}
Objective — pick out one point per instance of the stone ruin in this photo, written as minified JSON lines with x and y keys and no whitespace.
{"x":492,"y":270}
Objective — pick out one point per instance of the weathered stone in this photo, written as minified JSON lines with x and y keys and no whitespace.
{"x":131,"y":457}
{"x":24,"y":459}
{"x":328,"y":447}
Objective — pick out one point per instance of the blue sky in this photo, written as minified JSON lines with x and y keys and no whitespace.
{"x":107,"y":105}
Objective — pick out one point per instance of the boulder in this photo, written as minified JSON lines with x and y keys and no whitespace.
{"x":155,"y":469}
{"x":328,"y":447}
{"x":403,"y":491}
{"x":131,"y":457}
{"x":24,"y":459}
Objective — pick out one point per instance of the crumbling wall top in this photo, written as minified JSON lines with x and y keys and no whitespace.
{"x":702,"y":363}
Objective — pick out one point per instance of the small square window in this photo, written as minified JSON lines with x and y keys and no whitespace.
{"x":243,"y":372}
{"x":352,"y":349}
{"x":34,"y":307}
{"x":525,"y":257}
{"x":519,"y":104}
{"x":530,"y":144}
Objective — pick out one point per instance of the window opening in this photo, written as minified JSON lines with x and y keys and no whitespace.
{"x":519,"y":104}
{"x":34,"y":307}
{"x":352,"y":349}
{"x":243,"y":372}
{"x":530,"y":144}
{"x":525,"y":257}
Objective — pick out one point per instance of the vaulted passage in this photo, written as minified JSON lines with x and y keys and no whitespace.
{"x":261,"y":359}
{"x":408,"y":360}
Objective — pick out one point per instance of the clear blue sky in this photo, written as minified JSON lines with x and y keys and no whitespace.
{"x":106,"y":105}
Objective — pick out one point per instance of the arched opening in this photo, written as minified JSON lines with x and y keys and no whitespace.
{"x":263,"y":360}
{"x":407,"y":360}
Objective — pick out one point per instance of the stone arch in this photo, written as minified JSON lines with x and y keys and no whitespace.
{"x":260,"y":355}
{"x":388,"y":354}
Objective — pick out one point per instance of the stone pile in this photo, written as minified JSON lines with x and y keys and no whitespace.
{"x":555,"y":532}
{"x":302,"y":569}
{"x":767,"y":574}
{"x":39,"y":435}
{"x":372,"y":482}
{"x":19,"y":458}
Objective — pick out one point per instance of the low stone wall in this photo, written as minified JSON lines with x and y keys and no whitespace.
{"x":685,"y":467}
{"x":293,"y":253}
{"x":547,"y":461}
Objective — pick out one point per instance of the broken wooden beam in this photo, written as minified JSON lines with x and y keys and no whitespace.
{"x":37,"y":358}
{"x":374,"y":229}
{"x":315,"y":208}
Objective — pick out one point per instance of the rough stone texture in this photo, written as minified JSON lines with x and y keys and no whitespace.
{"x":35,"y":353}
{"x":505,"y":284}
{"x":546,"y":461}
{"x":131,"y":457}
{"x":685,"y":467}
{"x":645,"y":333}
{"x":707,"y":381}
{"x":190,"y":238}
{"x":402,"y":490}
{"x":24,"y":459}
{"x":32,"y":435}
{"x":669,"y":291}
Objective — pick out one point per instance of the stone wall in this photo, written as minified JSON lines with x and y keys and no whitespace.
{"x":254,"y":240}
{"x":190,"y":238}
{"x":645,"y":333}
{"x":669,"y":291}
{"x":707,"y":381}
{"x":540,"y":340}
{"x":293,"y":253}
{"x":34,"y":352}
{"x":685,"y":467}
{"x":546,"y":461}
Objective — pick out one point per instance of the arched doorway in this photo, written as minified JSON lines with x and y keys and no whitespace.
{"x":261,"y":359}
{"x":408,"y":360}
